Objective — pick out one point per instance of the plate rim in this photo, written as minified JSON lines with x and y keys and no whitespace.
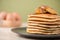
{"x":34,"y":35}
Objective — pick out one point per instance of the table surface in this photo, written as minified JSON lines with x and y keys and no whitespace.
{"x":7,"y":34}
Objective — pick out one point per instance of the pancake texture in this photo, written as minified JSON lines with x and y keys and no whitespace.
{"x":45,"y":20}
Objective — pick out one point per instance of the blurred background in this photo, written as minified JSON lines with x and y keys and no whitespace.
{"x":25,"y":7}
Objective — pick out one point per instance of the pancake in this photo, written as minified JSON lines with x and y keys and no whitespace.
{"x":37,"y":27}
{"x":42,"y":19}
{"x":39,"y":32}
{"x":42,"y":28}
{"x":44,"y":16}
{"x":43,"y":25}
{"x":42,"y":22}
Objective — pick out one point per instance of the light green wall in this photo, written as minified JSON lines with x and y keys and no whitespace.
{"x":25,"y":7}
{"x":0,"y":5}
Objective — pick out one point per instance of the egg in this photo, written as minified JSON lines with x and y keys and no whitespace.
{"x":3,"y":15}
{"x":17,"y":18}
{"x":9,"y":17}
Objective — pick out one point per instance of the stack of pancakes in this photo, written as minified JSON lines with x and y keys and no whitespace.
{"x":44,"y":21}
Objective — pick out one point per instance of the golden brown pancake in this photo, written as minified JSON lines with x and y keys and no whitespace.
{"x":44,"y":21}
{"x":44,"y":16}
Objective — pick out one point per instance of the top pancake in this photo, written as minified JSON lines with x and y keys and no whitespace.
{"x":48,"y":16}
